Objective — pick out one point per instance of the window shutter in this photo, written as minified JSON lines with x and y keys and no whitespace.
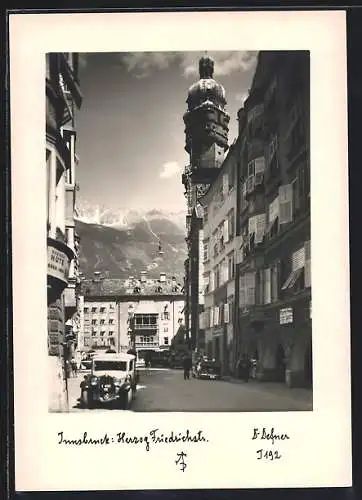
{"x":286,"y":203}
{"x":259,"y":165}
{"x":216,"y":316}
{"x":259,"y":228}
{"x":252,"y":225}
{"x":211,"y":317}
{"x":211,"y":281}
{"x":275,"y":281}
{"x":307,"y":265}
{"x":226,"y":313}
{"x":267,"y":286}
{"x":298,"y":259}
{"x":226,"y":230}
{"x":274,"y":209}
{"x":242,"y":291}
{"x":225,"y":184}
{"x":250,"y":288}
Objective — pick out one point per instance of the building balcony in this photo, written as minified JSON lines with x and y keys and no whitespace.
{"x":146,"y":345}
{"x":59,"y":259}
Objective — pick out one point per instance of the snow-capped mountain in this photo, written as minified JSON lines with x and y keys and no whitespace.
{"x":120,"y":242}
{"x":124,"y":218}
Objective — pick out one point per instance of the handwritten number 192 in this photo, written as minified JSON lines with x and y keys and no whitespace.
{"x":268,"y":454}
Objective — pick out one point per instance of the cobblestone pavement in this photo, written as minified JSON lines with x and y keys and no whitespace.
{"x":166,"y":390}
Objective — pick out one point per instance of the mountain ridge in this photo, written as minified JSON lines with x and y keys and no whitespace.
{"x":120,"y":244}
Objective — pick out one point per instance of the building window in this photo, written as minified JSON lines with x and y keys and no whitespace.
{"x":94,"y":309}
{"x":231,"y":224}
{"x":165,"y":316}
{"x":247,"y":289}
{"x":86,"y":309}
{"x":165,"y":340}
{"x":272,"y":156}
{"x":231,"y":266}
{"x":206,"y":250}
{"x":285,"y":204}
{"x":110,"y":333}
{"x":267,"y":286}
{"x":293,"y":270}
{"x":102,"y":333}
{"x":205,"y":215}
{"x":145,"y":319}
{"x":94,"y":321}
{"x":165,"y":329}
{"x":102,"y":309}
{"x":94,"y":334}
{"x":102,"y":322}
{"x":243,"y":200}
{"x":215,"y":253}
{"x":111,"y":321}
{"x":231,"y":178}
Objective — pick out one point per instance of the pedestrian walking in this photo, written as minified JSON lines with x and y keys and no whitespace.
{"x":74,"y":367}
{"x":187,"y":365}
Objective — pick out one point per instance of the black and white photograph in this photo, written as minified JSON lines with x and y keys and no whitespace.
{"x":179,"y":263}
{"x":180,"y":250}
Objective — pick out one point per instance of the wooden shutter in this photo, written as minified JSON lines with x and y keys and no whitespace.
{"x":225,"y":184}
{"x":285,"y":204}
{"x":267,"y":286}
{"x":259,"y":228}
{"x":211,"y":316}
{"x":242,"y":291}
{"x":216,"y":316}
{"x":298,"y":259}
{"x":226,"y":313}
{"x":307,"y":265}
{"x":250,"y":288}
{"x":274,"y":209}
{"x":259,"y":164}
{"x":252,"y":225}
{"x":226,"y":230}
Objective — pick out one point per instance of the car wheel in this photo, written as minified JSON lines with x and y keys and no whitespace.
{"x":125,"y":399}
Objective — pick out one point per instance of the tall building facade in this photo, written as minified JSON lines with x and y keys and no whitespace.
{"x":252,"y":211}
{"x":274,"y":265}
{"x":62,"y":98}
{"x":155,"y":307}
{"x":219,"y":249}
{"x":206,"y":130}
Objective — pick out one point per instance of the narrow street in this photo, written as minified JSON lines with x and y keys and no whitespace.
{"x":166,"y":390}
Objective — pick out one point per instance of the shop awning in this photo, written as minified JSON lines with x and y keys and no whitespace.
{"x":292,"y":278}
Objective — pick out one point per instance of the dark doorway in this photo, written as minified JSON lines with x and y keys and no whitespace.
{"x":217,"y":349}
{"x":308,"y":366}
{"x":280,"y":364}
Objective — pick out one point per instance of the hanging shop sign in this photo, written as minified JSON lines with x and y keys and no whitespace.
{"x":286,"y":316}
{"x":58,"y":264}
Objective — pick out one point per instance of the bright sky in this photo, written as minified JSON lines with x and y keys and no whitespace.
{"x":130,"y":127}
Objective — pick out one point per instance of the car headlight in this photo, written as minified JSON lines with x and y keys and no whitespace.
{"x":117,"y":381}
{"x":94,"y":381}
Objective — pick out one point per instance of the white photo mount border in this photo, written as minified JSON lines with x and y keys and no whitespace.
{"x":325,"y":433}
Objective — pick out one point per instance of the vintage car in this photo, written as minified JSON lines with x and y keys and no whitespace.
{"x":113,"y":379}
{"x":208,"y":370}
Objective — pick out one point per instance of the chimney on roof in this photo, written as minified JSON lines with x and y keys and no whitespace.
{"x":162,"y":277}
{"x":143,"y":276}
